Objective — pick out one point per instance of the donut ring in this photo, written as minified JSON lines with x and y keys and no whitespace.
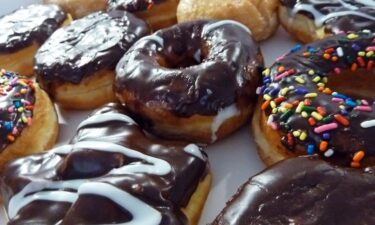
{"x":317,"y":101}
{"x":303,"y":190}
{"x":28,"y":121}
{"x":260,"y":16}
{"x":193,"y":81}
{"x":310,"y":20}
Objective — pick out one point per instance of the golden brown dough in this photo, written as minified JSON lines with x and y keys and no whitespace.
{"x":79,"y":8}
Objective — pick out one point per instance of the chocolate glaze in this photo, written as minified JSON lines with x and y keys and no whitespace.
{"x":22,"y":27}
{"x":132,"y":5}
{"x":165,"y":193}
{"x":345,"y":140}
{"x":303,"y":191}
{"x":11,"y":100}
{"x":92,"y":43}
{"x":343,"y":15}
{"x":192,"y":68}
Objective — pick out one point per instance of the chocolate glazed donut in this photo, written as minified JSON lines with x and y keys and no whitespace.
{"x":303,"y":191}
{"x":193,"y":81}
{"x":76,"y":65}
{"x":110,"y":173}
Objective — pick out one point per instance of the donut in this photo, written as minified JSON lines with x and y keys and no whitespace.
{"x":28,"y":122}
{"x":303,"y":190}
{"x":76,"y":64}
{"x":260,"y":16}
{"x":78,"y":9}
{"x":195,"y":81}
{"x":112,"y":172}
{"x":319,"y":99}
{"x":311,"y":20}
{"x":23,"y":31}
{"x":158,"y":13}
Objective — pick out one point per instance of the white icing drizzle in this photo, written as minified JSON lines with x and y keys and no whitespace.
{"x":107,"y":117}
{"x":152,"y":37}
{"x":210,"y":27}
{"x":368,"y":124}
{"x":54,"y":190}
{"x":320,"y":18}
{"x":221,"y":117}
{"x":194,"y":150}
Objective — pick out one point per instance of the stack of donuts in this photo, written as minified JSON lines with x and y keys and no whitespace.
{"x":164,"y":79}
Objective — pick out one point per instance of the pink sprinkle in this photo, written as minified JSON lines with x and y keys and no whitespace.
{"x":15,"y":131}
{"x":370,"y":48}
{"x":365,"y":102}
{"x":338,"y":100}
{"x":280,"y":57}
{"x":273,"y":126}
{"x":337,"y":70}
{"x":363,"y":108}
{"x":325,"y":128}
{"x":26,"y":102}
{"x":281,"y":76}
{"x":11,"y":109}
{"x":29,"y":121}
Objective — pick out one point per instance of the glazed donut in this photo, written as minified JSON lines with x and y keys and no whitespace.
{"x":158,"y":13}
{"x":260,"y":16}
{"x":303,"y":190}
{"x":319,"y":99}
{"x":311,"y":20}
{"x":78,"y":9}
{"x":76,"y":65}
{"x":194,"y":81}
{"x":23,"y":31}
{"x":110,"y":173}
{"x":28,"y":122}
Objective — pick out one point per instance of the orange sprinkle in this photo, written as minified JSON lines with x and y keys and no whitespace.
{"x":265,"y":104}
{"x":11,"y":138}
{"x":327,"y":91}
{"x":149,"y":7}
{"x":323,"y":146}
{"x":306,"y":54}
{"x":355,"y":164}
{"x":321,"y":89}
{"x":326,"y":56}
{"x":334,"y":59}
{"x":354,"y":67}
{"x":288,"y":105}
{"x":312,"y":121}
{"x":341,"y":119}
{"x":281,"y":69}
{"x":358,"y":156}
{"x":370,"y":64}
{"x":321,"y":110}
{"x":329,"y":50}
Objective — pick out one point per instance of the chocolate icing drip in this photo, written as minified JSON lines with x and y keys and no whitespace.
{"x":192,"y":68}
{"x":304,"y":191}
{"x":92,"y":43}
{"x":170,"y":176}
{"x":22,"y":27}
{"x":336,"y":15}
{"x":132,"y":5}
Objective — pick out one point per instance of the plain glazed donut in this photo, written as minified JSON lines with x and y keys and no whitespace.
{"x":194,"y":81}
{"x":260,"y":16}
{"x":303,"y":191}
{"x":319,"y":99}
{"x":76,"y":65}
{"x":23,"y":31}
{"x":110,"y":173}
{"x":28,"y":121}
{"x":158,"y":13}
{"x":80,"y":8}
{"x":310,"y":20}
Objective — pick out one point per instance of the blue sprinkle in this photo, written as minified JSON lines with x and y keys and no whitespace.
{"x":310,"y":149}
{"x":17,"y":103}
{"x":311,"y":49}
{"x":8,"y":125}
{"x":301,"y":91}
{"x":356,"y":47}
{"x":326,"y":136}
{"x":337,"y":95}
{"x":295,"y":48}
{"x":344,"y":112}
{"x":266,"y":80}
{"x":274,"y":91}
{"x":350,"y":102}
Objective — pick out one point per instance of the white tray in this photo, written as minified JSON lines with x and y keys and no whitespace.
{"x":233,"y":160}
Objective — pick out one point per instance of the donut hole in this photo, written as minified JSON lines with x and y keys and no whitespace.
{"x":355,"y":84}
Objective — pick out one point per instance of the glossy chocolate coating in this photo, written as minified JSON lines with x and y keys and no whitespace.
{"x":132,"y":5}
{"x":22,"y":27}
{"x":192,"y":68}
{"x":303,"y":191}
{"x":167,"y":193}
{"x":345,"y":140}
{"x":347,"y":15}
{"x":89,"y":44}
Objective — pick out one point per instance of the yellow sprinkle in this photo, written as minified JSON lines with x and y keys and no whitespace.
{"x":274,"y":111}
{"x":24,"y":119}
{"x":321,"y":84}
{"x":296,"y":133}
{"x":283,"y":109}
{"x":369,"y":54}
{"x":311,"y":72}
{"x":299,"y":107}
{"x":20,"y":109}
{"x":341,"y":107}
{"x":284,"y":91}
{"x":22,"y":83}
{"x":316,"y":79}
{"x":23,"y":91}
{"x":273,"y":104}
{"x":303,"y":136}
{"x":361,"y":53}
{"x":311,"y":95}
{"x":266,"y":72}
{"x":352,"y":36}
{"x":267,"y":97}
{"x":300,"y":80}
{"x":316,"y":115}
{"x":304,"y":114}
{"x":325,"y":79}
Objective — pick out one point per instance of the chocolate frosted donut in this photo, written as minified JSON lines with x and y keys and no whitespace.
{"x":158,"y":13}
{"x":319,"y":98}
{"x":193,"y":81}
{"x":23,"y":31}
{"x":110,"y":173}
{"x":310,"y":20}
{"x":303,"y":191}
{"x":76,"y":65}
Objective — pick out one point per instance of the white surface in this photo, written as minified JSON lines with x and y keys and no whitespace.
{"x":233,"y":160}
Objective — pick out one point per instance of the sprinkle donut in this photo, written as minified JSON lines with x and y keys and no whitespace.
{"x":194,"y":81}
{"x":319,"y":99}
{"x":310,"y":20}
